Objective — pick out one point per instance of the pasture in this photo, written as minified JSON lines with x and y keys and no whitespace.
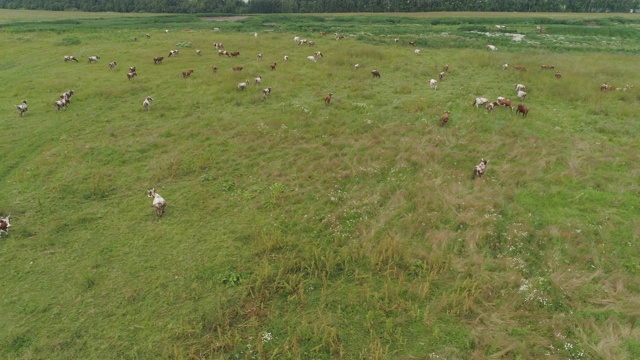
{"x":300,"y":230}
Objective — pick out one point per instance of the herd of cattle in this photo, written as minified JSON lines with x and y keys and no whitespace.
{"x":159,"y":203}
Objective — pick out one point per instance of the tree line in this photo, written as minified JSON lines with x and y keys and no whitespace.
{"x":323,"y":6}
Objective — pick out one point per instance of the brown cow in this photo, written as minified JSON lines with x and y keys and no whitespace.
{"x":522,"y":109}
{"x":237,"y":68}
{"x":505,"y":102}
{"x":234,"y":53}
{"x":411,"y":43}
{"x":558,"y":75}
{"x":5,"y":225}
{"x":187,"y":73}
{"x":273,"y":66}
{"x":214,"y":69}
{"x":547,"y":67}
{"x":375,"y":73}
{"x":158,"y":60}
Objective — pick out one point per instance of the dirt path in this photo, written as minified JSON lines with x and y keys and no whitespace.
{"x":224,"y":18}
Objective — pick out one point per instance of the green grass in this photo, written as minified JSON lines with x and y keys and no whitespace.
{"x":296,"y":230}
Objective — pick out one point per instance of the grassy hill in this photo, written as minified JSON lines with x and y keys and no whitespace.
{"x":296,"y":230}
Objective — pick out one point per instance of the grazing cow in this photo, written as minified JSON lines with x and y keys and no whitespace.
{"x":501,"y":27}
{"x":198,"y":52}
{"x":356,"y":66}
{"x":147,"y":102}
{"x":302,"y":41}
{"x":311,"y":58}
{"x":243,"y":85}
{"x":479,"y":101}
{"x":131,"y":75}
{"x":339,"y":37}
{"x":417,"y":51}
{"x":132,"y":69}
{"x":441,"y":76}
{"x":547,"y":67}
{"x":255,"y":35}
{"x":296,"y":39}
{"x":479,"y":169}
{"x":5,"y":225}
{"x":234,"y":53}
{"x":444,"y":118}
{"x":375,"y":73}
{"x":223,"y":53}
{"x":259,"y":56}
{"x":214,"y":69}
{"x":148,"y":36}
{"x":522,"y":109}
{"x":22,"y":108}
{"x":158,"y":202}
{"x":411,"y":43}
{"x":311,"y":43}
{"x":134,"y":38}
{"x":174,"y":53}
{"x":266,"y":92}
{"x":286,"y":58}
{"x":520,"y":68}
{"x":522,"y":94}
{"x":396,"y":40}
{"x":158,"y":60}
{"x":538,"y":28}
{"x":237,"y":68}
{"x":273,"y":66}
{"x":112,"y":65}
{"x":67,"y":95}
{"x":327,"y":99}
{"x":558,"y":75}
{"x":505,"y":66}
{"x":93,"y":59}
{"x":318,"y":54}
{"x":492,"y":47}
{"x":520,"y":87}
{"x":218,"y":45}
{"x":70,"y":58}
{"x":187,"y":73}
{"x":258,"y":80}
{"x":446,"y":67}
{"x":433,"y":83}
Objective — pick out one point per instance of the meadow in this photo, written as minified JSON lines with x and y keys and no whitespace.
{"x":296,"y":230}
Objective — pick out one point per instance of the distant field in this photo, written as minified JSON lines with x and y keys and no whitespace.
{"x":299,"y":230}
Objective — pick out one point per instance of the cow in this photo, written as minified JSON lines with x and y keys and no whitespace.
{"x":234,"y":53}
{"x":375,"y":73}
{"x":174,"y":53}
{"x":538,"y":28}
{"x":243,"y":85}
{"x":605,"y":87}
{"x":93,"y":59}
{"x":501,"y":27}
{"x":112,"y":65}
{"x":505,"y":66}
{"x":558,"y":75}
{"x":446,"y":67}
{"x":266,"y":92}
{"x":433,"y":83}
{"x":237,"y":68}
{"x":505,"y":102}
{"x":158,"y":60}
{"x":62,"y":103}
{"x":187,"y":73}
{"x":547,"y":67}
{"x":131,"y":75}
{"x":218,"y":45}
{"x":356,"y":66}
{"x":159,"y":203}
{"x":214,"y":69}
{"x":441,"y":76}
{"x":258,"y":80}
{"x":480,"y":169}
{"x":417,"y":51}
{"x":318,"y":54}
{"x":311,"y":58}
{"x":273,"y":66}
{"x":522,"y":109}
{"x":492,"y":48}
{"x":70,"y":58}
{"x":520,"y":87}
{"x":198,"y":52}
{"x":411,"y":43}
{"x":522,"y":94}
{"x":260,"y":56}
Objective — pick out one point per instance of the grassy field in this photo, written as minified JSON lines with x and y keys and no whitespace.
{"x":296,"y":230}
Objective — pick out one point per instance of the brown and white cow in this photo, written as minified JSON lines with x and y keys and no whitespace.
{"x":187,"y":73}
{"x":444,"y":118}
{"x":327,"y":99}
{"x":480,"y":169}
{"x":375,"y":73}
{"x":112,"y":65}
{"x":158,"y":60}
{"x":547,"y":67}
{"x":273,"y":66}
{"x":22,"y":108}
{"x":131,"y":75}
{"x":237,"y":68}
{"x":70,"y":58}
{"x":159,"y":202}
{"x":93,"y":59}
{"x":558,"y":75}
{"x":173,"y":53}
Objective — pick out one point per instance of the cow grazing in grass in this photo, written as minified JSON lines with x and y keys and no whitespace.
{"x":411,"y":43}
{"x":237,"y":68}
{"x":520,"y":87}
{"x":505,"y":66}
{"x":356,"y":66}
{"x":522,"y":109}
{"x":446,"y":67}
{"x":131,"y":75}
{"x":173,"y":53}
{"x":214,"y":69}
{"x":505,"y":102}
{"x":547,"y":67}
{"x":68,"y":58}
{"x":605,"y":87}
{"x":243,"y":85}
{"x":158,"y":60}
{"x":522,"y":94}
{"x":234,"y":53}
{"x":417,"y":51}
{"x":433,"y":83}
{"x":558,"y":75}
{"x":266,"y":92}
{"x":480,"y":101}
{"x":375,"y":73}
{"x":198,"y":52}
{"x":441,"y":76}
{"x":273,"y":66}
{"x":159,"y":202}
{"x":112,"y":65}
{"x":480,"y":169}
{"x":492,"y":48}
{"x":187,"y":73}
{"x":93,"y":59}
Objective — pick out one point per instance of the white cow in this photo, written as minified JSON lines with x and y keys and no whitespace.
{"x":311,"y":58}
{"x":520,"y":87}
{"x":158,"y":202}
{"x":433,"y":83}
{"x":522,"y":94}
{"x":147,"y":102}
{"x":492,"y":47}
{"x":480,"y":101}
